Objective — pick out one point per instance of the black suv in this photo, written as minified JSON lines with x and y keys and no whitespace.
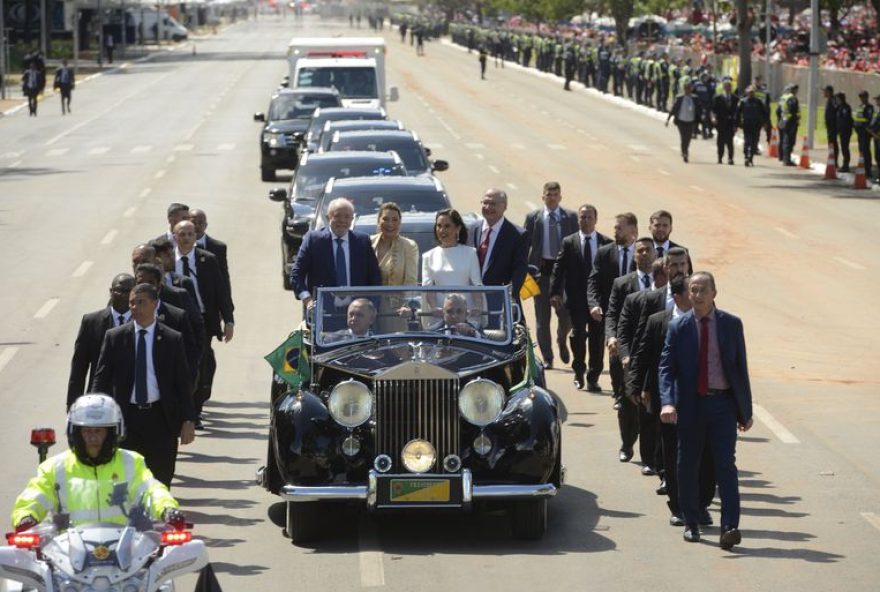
{"x":321,"y":116}
{"x":308,"y":184}
{"x":285,"y":125}
{"x":405,"y":142}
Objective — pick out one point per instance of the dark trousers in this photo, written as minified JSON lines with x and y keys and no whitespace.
{"x":628,"y":421}
{"x":686,"y":131}
{"x":32,"y":102}
{"x":751,"y":133}
{"x":207,"y":368}
{"x":865,"y":149}
{"x":543,"y":315}
{"x":482,"y":67}
{"x":65,"y":97}
{"x":832,"y":142}
{"x":788,"y":138}
{"x":649,"y":435}
{"x":724,"y":140}
{"x":715,"y":423}
{"x":843,"y":142}
{"x":877,"y":157}
{"x":577,"y":340}
{"x":147,"y":434}
{"x":706,"y":478}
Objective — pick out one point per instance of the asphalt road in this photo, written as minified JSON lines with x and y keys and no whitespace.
{"x":793,"y":257}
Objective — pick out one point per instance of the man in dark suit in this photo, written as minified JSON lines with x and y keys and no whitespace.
{"x":351,"y":261}
{"x":660,"y":227}
{"x":360,"y":318}
{"x":705,"y":390}
{"x":545,"y":228}
{"x":612,"y":261}
{"x":645,"y":362}
{"x":143,"y":367}
{"x":202,"y":268}
{"x":65,"y":82}
{"x":88,"y":343}
{"x":627,"y":410}
{"x":568,"y":286}
{"x":724,"y":108}
{"x":211,"y":244}
{"x":500,"y":245}
{"x":164,"y":249}
{"x":176,"y":212}
{"x":686,"y":112}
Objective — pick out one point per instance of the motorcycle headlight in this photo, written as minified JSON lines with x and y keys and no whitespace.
{"x":481,"y":401}
{"x":351,"y":403}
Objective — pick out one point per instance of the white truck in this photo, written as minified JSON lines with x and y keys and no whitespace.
{"x":355,"y":66}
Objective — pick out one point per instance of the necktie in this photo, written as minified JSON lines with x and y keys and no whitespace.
{"x":140,"y":369}
{"x":703,"y":375}
{"x":554,"y":235}
{"x":624,"y":263}
{"x":588,"y":254}
{"x":186,"y":270}
{"x":646,"y":281}
{"x":483,"y":249}
{"x":341,"y":271}
{"x":659,"y":252}
{"x":121,"y":319}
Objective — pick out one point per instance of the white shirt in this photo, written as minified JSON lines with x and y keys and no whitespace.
{"x":178,"y":267}
{"x":676,"y":312}
{"x":201,"y":242}
{"x":687,"y":111}
{"x":670,"y":301}
{"x":594,"y":244}
{"x":496,"y":228}
{"x":126,"y":316}
{"x":152,"y":383}
{"x":641,"y":275}
{"x":546,"y":252}
{"x":451,"y":266}
{"x":630,"y":250}
{"x":663,"y":245}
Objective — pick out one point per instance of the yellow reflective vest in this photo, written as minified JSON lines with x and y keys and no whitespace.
{"x":64,"y":484}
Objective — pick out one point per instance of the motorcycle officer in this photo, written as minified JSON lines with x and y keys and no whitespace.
{"x":79,"y":481}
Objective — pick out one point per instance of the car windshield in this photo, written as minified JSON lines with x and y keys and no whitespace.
{"x":299,"y":107}
{"x":469,"y":313}
{"x":313,"y":176}
{"x":409,"y":150}
{"x":353,"y":126}
{"x":317,"y":124}
{"x":353,"y":82}
{"x":368,"y":200}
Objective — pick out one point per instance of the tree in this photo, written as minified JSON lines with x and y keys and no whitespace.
{"x":744,"y":22}
{"x":622,"y":11}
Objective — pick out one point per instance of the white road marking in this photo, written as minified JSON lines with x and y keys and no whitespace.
{"x":128,"y":213}
{"x":664,"y":172}
{"x":512,"y":187}
{"x":545,"y":113}
{"x":580,"y":131}
{"x":108,"y":238}
{"x":872,"y":518}
{"x":449,"y":129}
{"x":46,"y":308}
{"x":98,"y":150}
{"x":518,"y":146}
{"x":785,"y":232}
{"x":634,"y":158}
{"x":474,"y":146}
{"x":696,"y":188}
{"x":433,"y":146}
{"x":370,"y":559}
{"x":141,"y":149}
{"x":145,"y":192}
{"x":735,"y":207}
{"x":637,"y":147}
{"x":674,"y":148}
{"x":159,"y":174}
{"x":531,"y":205}
{"x":555,"y":146}
{"x":12,"y":165}
{"x":183,"y":147}
{"x":57,"y":151}
{"x":82,"y":269}
{"x":479,"y":156}
{"x":170,"y":159}
{"x":599,"y":146}
{"x":6,"y":355}
{"x":850,"y":264}
{"x":11,"y":154}
{"x":779,"y":430}
{"x":226,"y":146}
{"x":494,"y":169}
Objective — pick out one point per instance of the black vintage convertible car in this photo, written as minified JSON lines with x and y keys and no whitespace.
{"x":414,"y":398}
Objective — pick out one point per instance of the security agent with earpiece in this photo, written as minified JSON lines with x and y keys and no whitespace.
{"x":79,"y":481}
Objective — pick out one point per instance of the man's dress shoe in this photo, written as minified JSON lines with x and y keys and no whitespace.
{"x":705,"y":518}
{"x":625,"y":455}
{"x":675,"y":520}
{"x":692,"y":533}
{"x":730,"y":536}
{"x":593,"y":386}
{"x":578,"y":382}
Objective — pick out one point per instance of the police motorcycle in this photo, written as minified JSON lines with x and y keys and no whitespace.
{"x":141,"y":556}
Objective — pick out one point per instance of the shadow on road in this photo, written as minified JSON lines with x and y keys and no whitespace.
{"x":238,"y":570}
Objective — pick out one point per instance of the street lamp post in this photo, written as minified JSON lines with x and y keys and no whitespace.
{"x":813,"y":90}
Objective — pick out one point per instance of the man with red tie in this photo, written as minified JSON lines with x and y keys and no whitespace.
{"x":705,"y":391}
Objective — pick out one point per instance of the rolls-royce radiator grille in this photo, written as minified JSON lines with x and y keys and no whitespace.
{"x":413,"y":408}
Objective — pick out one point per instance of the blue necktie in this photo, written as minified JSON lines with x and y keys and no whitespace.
{"x":646,"y":280}
{"x":624,"y":264}
{"x":140,"y":369}
{"x":341,"y":271}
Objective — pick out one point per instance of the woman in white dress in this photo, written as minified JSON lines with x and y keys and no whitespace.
{"x":452,"y":263}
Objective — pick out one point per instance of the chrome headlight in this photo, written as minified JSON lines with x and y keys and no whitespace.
{"x":481,"y":401}
{"x":418,"y":456}
{"x":351,"y":403}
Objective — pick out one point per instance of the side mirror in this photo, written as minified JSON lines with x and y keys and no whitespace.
{"x":393,"y":94}
{"x":259,"y":117}
{"x":439,"y":165}
{"x":278,"y":194}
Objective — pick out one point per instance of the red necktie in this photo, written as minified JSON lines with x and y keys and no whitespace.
{"x":484,"y":246}
{"x":703,"y":376}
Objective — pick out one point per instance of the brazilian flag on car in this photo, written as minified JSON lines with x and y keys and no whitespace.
{"x":289,"y":360}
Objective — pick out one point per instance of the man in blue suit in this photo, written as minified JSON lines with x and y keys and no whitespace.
{"x":334,"y":256}
{"x":704,"y":389}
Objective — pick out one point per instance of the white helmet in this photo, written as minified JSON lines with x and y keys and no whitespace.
{"x":95,"y":411}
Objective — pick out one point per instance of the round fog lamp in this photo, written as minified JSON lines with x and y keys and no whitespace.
{"x":418,"y":456}
{"x":382,"y":463}
{"x":351,"y":446}
{"x":482,"y":445}
{"x":452,"y":463}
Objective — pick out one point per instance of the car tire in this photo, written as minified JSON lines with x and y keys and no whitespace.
{"x":528,"y":519}
{"x":267,"y":174}
{"x":303,"y":522}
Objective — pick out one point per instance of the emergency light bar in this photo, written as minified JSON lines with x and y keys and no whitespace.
{"x":23,"y":540}
{"x":42,"y":436}
{"x":176,"y":537}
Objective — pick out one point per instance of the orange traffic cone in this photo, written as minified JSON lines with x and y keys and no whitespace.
{"x":830,"y":166}
{"x":805,"y":155}
{"x":859,"y":182}
{"x":773,"y":152}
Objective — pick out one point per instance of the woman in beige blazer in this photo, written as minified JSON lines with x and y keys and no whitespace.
{"x":398,"y":262}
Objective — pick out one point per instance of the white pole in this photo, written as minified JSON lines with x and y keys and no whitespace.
{"x":768,"y":72}
{"x":813,"y":90}
{"x":2,"y":51}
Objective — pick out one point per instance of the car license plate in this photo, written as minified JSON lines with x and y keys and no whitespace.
{"x":419,"y":490}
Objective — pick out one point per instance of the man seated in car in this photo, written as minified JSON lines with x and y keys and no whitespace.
{"x":360,"y":318}
{"x":455,"y":318}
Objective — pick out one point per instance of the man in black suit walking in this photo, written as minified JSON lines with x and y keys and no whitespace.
{"x":211,"y":244}
{"x":65,"y":82}
{"x":612,"y":261}
{"x":203,"y":269}
{"x":724,"y":109}
{"x":143,"y":366}
{"x":88,"y":343}
{"x":660,"y":227}
{"x":568,"y":285}
{"x":176,"y":212}
{"x":545,"y":229}
{"x":164,"y":249}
